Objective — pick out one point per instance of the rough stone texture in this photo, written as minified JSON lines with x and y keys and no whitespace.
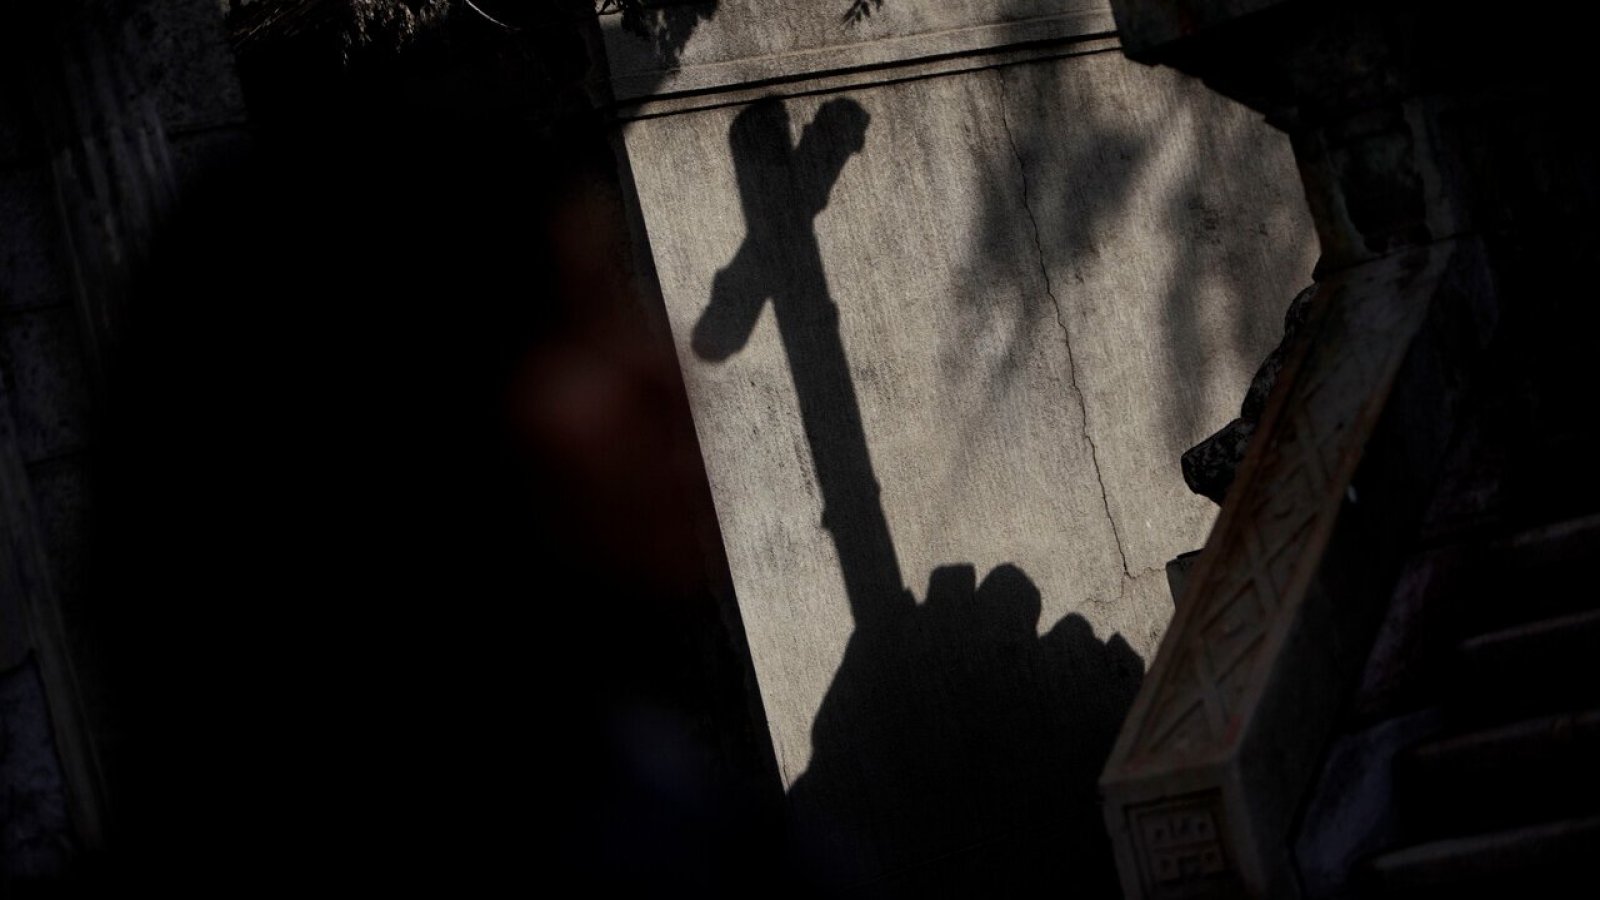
{"x":35,"y":833}
{"x":1046,"y":287}
{"x":725,"y":43}
{"x":1252,"y":674}
{"x":42,"y":364}
{"x":1352,"y":816}
{"x":85,"y":183}
{"x":33,"y":268}
{"x":184,"y":59}
{"x":61,"y":502}
{"x":1209,"y":466}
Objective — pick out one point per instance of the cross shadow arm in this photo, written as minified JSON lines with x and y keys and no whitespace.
{"x":737,"y":295}
{"x":838,"y":132}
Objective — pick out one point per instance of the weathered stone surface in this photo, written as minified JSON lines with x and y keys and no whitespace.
{"x":1209,"y":466}
{"x":33,"y":267}
{"x":726,"y":43}
{"x":41,"y":361}
{"x":61,"y":504}
{"x":184,"y":60}
{"x":980,"y":314}
{"x":1157,"y":264}
{"x":1281,"y":605}
{"x":36,"y":839}
{"x":1351,"y":816}
{"x":85,"y":186}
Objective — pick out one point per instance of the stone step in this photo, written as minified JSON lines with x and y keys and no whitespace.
{"x":1537,"y":860}
{"x":1533,"y":770}
{"x":1448,"y":594}
{"x":1555,"y":473}
{"x":1570,"y":540}
{"x":1525,"y":670}
{"x":1538,"y":567}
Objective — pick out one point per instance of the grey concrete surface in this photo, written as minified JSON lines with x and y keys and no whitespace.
{"x":1049,"y":280}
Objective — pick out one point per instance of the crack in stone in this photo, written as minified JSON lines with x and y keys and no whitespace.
{"x":1066,"y":334}
{"x":1129,"y":581}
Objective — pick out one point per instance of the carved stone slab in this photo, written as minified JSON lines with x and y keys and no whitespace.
{"x":1175,"y":783}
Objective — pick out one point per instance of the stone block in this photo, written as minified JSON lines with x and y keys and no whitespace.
{"x":34,"y":266}
{"x":42,"y":362}
{"x":61,"y":508}
{"x":944,"y":335}
{"x":37,"y":843}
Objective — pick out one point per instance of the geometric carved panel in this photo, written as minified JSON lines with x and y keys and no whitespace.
{"x":1249,"y":590}
{"x":1288,"y":492}
{"x":1181,"y":849}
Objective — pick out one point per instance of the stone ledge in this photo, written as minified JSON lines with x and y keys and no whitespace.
{"x":641,"y":70}
{"x":653,"y":107}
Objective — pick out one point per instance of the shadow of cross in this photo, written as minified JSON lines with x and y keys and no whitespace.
{"x":956,"y":751}
{"x":782,"y":188}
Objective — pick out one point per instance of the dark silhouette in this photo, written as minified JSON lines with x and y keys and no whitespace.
{"x":369,"y":586}
{"x":783,"y":189}
{"x":667,"y":28}
{"x":955,"y":750}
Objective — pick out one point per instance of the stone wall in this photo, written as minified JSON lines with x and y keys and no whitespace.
{"x":951,"y":292}
{"x":108,"y":121}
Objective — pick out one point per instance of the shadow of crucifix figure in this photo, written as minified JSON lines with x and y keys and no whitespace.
{"x":783,"y":188}
{"x":956,"y":750}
